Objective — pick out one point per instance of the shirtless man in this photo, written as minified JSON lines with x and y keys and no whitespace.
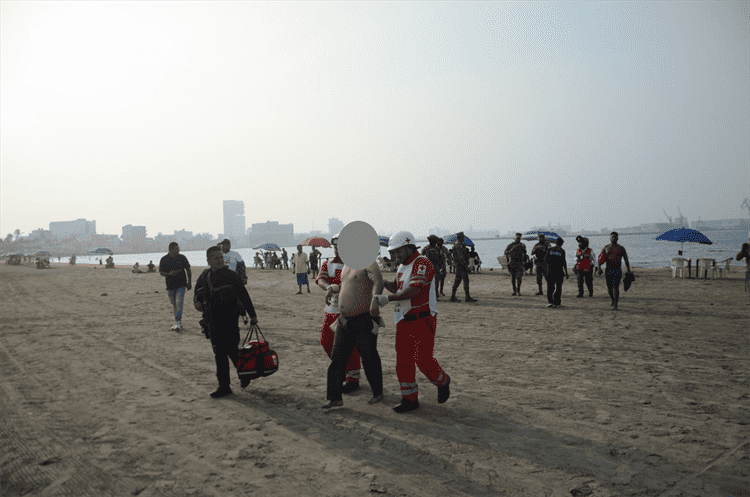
{"x":358,"y":325}
{"x":614,"y":254}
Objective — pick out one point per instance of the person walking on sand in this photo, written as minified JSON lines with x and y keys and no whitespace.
{"x":314,"y":257}
{"x":221,"y":296}
{"x":744,"y":253}
{"x":357,"y":325}
{"x":432,"y":252}
{"x":301,"y":268}
{"x":613,"y":254}
{"x":176,"y":270}
{"x":444,"y":255}
{"x":329,"y":280}
{"x":515,"y":254}
{"x":557,"y":269}
{"x":233,"y":260}
{"x":584,"y":267}
{"x":415,"y":316}
{"x":461,"y":262}
{"x":539,"y":252}
{"x":285,"y":258}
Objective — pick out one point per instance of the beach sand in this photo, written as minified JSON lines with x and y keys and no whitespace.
{"x":100,"y":398}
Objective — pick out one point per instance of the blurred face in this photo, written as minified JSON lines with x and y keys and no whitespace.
{"x":174,"y":251}
{"x":215,"y":260}
{"x":541,"y":238}
{"x":517,"y":238}
{"x":299,"y":248}
{"x":613,"y":237}
{"x":225,"y":247}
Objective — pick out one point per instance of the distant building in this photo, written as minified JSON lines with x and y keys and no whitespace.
{"x":234,"y":222}
{"x":182,"y":235}
{"x":272,"y":232}
{"x":133,"y":237}
{"x":335,"y":226}
{"x":72,"y":229}
{"x":40,"y":234}
{"x":720,"y":224}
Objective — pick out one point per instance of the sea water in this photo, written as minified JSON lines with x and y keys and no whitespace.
{"x":643,"y":251}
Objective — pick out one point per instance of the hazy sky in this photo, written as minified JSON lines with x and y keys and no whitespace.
{"x":498,"y":115}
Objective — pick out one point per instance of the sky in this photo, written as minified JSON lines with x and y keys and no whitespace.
{"x":406,"y":115}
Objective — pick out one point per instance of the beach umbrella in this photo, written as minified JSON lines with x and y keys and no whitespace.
{"x":384,"y":241}
{"x":316,"y":241}
{"x":453,"y":239}
{"x":683,"y":235}
{"x":268,"y":246}
{"x":533,"y":235}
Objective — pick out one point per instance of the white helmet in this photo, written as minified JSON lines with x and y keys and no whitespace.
{"x":400,"y":239}
{"x":335,"y":238}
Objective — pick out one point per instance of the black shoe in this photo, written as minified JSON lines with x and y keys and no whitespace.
{"x":579,"y":296}
{"x":221,"y":392}
{"x":244,"y":382}
{"x":444,"y":392}
{"x":333,"y":403}
{"x":454,"y":299}
{"x":538,"y":293}
{"x":469,"y":299}
{"x":406,"y":405}
{"x":591,"y":295}
{"x":350,"y":386}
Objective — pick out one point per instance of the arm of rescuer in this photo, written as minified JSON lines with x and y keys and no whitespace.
{"x":415,"y":286}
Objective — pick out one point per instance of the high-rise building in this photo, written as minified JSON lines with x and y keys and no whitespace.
{"x":234,"y":222}
{"x":335,"y":226}
{"x":133,"y":237}
{"x":67,"y":229}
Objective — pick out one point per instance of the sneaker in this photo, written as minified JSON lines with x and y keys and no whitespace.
{"x":178,"y":326}
{"x":174,"y":327}
{"x":469,"y":299}
{"x":538,"y":293}
{"x":454,"y":299}
{"x":514,"y":294}
{"x":375,"y":399}
{"x":444,"y":392}
{"x":550,"y":305}
{"x":579,"y":296}
{"x":244,"y":381}
{"x":406,"y":405}
{"x":333,"y":403}
{"x":350,"y":386}
{"x":221,"y":392}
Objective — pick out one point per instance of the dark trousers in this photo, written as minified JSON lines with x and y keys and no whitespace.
{"x":351,"y":332}
{"x":462,"y":274}
{"x":225,"y":345}
{"x":439,"y":282}
{"x":541,"y":275}
{"x":588,"y":277}
{"x":554,"y":287}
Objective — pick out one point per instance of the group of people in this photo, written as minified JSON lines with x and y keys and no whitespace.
{"x":271,"y":260}
{"x":354,"y":298}
{"x":150,"y":267}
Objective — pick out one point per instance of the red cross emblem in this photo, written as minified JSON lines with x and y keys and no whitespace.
{"x":407,"y":240}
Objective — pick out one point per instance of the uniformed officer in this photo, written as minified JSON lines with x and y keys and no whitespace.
{"x":432,"y":252}
{"x":461,"y":262}
{"x":515,"y":254}
{"x":539,"y":252}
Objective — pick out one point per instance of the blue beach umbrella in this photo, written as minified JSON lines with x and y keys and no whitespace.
{"x":453,"y":239}
{"x":267,"y":246}
{"x":548,"y":235}
{"x":683,"y":235}
{"x":384,"y":241}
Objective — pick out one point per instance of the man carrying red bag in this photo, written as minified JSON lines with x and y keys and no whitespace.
{"x":218,"y":295}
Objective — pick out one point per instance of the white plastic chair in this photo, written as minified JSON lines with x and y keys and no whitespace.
{"x":723,"y":266}
{"x":501,"y":261}
{"x":678,"y":264}
{"x":708,"y":265}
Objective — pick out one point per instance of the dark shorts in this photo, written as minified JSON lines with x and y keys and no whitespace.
{"x":302,"y":279}
{"x":613,"y":277}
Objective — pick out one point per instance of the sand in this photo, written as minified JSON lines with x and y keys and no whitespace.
{"x":100,"y":398}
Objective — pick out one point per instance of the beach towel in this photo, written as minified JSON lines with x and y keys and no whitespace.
{"x":629,"y":279}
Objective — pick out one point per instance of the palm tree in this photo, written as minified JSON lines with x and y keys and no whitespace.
{"x":17,"y":233}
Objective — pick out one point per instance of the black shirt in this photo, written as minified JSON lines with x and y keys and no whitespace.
{"x":167,"y":264}
{"x":223,"y":297}
{"x":555,"y":260}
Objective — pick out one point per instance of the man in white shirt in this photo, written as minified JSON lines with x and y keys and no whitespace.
{"x":233,"y":260}
{"x":301,"y":266}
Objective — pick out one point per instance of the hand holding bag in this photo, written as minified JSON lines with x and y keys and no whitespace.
{"x":256,"y":358}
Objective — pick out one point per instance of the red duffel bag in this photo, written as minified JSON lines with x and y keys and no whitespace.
{"x":256,"y":357}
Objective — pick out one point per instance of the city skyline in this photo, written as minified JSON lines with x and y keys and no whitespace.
{"x":404,"y":115}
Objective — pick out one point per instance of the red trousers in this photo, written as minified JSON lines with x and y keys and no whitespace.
{"x":326,"y":340}
{"x":415,"y":343}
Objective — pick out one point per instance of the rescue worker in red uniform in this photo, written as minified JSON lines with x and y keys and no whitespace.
{"x":415,"y":316}
{"x":329,"y":279}
{"x":584,"y":268}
